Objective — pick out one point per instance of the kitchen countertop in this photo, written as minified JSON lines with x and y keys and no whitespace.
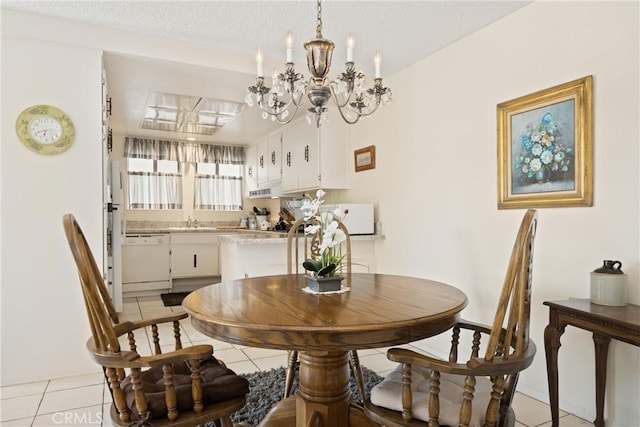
{"x":234,"y":234}
{"x":252,"y":237}
{"x":166,"y":230}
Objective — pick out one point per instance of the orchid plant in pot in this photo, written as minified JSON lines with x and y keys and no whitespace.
{"x":326,"y":226}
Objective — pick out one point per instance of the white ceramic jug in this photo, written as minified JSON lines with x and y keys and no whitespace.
{"x":609,"y":284}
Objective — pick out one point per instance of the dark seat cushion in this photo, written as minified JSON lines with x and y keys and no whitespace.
{"x":218,"y":384}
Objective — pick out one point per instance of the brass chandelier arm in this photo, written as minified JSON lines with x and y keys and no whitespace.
{"x":348,"y":77}
{"x":277,"y":114}
{"x":345,"y":105}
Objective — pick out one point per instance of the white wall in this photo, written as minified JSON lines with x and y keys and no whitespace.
{"x":44,"y":326}
{"x":51,"y":61}
{"x":435,"y":182}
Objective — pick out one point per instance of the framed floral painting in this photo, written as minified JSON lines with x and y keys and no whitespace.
{"x":545,"y":148}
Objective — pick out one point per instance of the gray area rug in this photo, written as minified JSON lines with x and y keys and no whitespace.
{"x":266,"y":389}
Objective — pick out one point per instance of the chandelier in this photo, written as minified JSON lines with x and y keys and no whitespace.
{"x":349,"y":90}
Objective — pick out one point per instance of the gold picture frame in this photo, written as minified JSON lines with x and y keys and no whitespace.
{"x":545,"y":148}
{"x":365,"y":158}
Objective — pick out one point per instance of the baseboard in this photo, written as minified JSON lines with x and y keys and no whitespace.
{"x":572,"y":408}
{"x":566,"y":406}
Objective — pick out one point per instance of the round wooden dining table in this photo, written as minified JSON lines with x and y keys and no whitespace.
{"x":378,"y":310}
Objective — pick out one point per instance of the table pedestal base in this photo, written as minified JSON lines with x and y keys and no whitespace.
{"x":323,"y":397}
{"x":283,"y":414}
{"x":323,"y":391}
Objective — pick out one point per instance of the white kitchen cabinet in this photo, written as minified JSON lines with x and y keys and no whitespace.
{"x":270,"y":159}
{"x":251,"y":257}
{"x":252,"y":260}
{"x":194,"y":255}
{"x":315,"y":158}
{"x":251,"y":169}
{"x":300,"y":157}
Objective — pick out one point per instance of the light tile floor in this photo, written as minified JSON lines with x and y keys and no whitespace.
{"x":85,"y":400}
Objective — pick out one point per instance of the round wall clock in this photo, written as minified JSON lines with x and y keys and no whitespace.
{"x":45,"y":129}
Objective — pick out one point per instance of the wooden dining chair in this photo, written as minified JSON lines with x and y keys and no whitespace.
{"x":301,"y":246}
{"x":427,"y":391}
{"x":184,"y":387}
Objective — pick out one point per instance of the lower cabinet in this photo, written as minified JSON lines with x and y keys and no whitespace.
{"x":194,"y":255}
{"x":200,"y":258}
{"x":244,"y":259}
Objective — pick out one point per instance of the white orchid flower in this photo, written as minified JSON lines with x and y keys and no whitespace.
{"x":339,"y":236}
{"x":331,"y":228}
{"x":327,"y":226}
{"x":312,"y":229}
{"x":326,"y":217}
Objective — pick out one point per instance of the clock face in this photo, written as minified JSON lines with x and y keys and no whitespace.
{"x":45,"y":129}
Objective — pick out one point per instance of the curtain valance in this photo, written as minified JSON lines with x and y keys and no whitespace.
{"x":207,"y":153}
{"x":146,"y":148}
{"x":156,"y":149}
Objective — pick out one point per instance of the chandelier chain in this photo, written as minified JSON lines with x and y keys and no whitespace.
{"x":319,"y":26}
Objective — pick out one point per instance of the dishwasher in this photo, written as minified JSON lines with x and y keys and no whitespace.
{"x":146,"y":264}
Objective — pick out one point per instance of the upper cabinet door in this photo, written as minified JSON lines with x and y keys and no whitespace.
{"x":262,"y":166}
{"x":309,"y":159}
{"x":290,"y":139}
{"x":270,"y":159}
{"x":251,"y":169}
{"x":335,"y":152}
{"x":274,"y":160}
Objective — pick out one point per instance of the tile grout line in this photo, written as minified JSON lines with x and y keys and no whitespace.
{"x":44,"y":392}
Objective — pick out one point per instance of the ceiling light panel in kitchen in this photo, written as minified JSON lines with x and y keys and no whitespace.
{"x":188,"y":114}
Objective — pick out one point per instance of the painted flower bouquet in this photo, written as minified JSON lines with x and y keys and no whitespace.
{"x":542,"y":156}
{"x":326,"y":225}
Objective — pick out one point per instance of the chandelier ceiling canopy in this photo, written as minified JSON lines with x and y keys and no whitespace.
{"x":349,"y":90}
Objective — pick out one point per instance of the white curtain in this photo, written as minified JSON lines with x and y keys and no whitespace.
{"x":155,"y":190}
{"x":207,"y":153}
{"x":219,"y":193}
{"x":145,"y":148}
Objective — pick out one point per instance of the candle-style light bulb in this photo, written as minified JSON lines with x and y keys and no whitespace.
{"x":289,"y":46}
{"x":350,"y":43}
{"x":259,"y":63}
{"x":377,"y":60}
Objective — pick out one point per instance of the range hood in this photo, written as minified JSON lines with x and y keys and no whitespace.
{"x":268,"y":192}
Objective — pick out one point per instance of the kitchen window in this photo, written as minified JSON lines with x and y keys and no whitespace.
{"x":154,"y":184}
{"x":218,"y":187}
{"x":155,"y":178}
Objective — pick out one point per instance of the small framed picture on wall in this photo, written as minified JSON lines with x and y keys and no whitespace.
{"x":365,"y":158}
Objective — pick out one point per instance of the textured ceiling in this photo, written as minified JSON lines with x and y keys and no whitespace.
{"x":404,"y":31}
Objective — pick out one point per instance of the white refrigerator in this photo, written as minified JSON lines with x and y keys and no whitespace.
{"x":115,"y":232}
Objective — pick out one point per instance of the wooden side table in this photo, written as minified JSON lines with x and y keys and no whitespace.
{"x":620,"y":323}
